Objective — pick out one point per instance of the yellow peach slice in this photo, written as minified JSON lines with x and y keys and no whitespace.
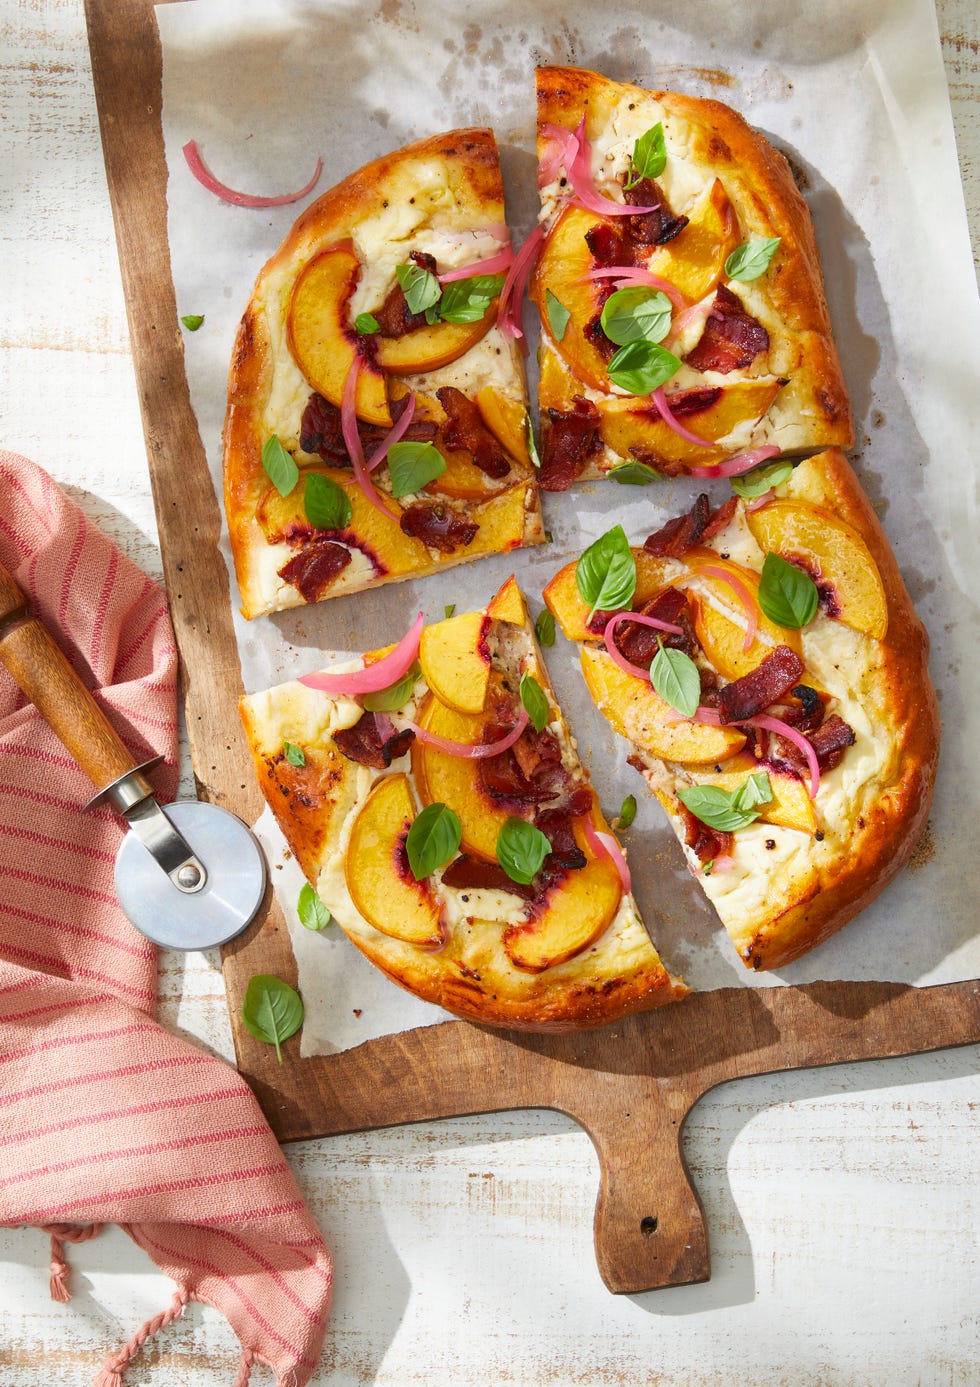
{"x":720,"y":618}
{"x":557,"y":386}
{"x":791,"y":805}
{"x":377,"y":872}
{"x":633,"y":427}
{"x":564,"y":262}
{"x":501,"y":520}
{"x":434,"y":345}
{"x":455,"y":660}
{"x":507,"y":420}
{"x":508,"y":604}
{"x":693,"y":260}
{"x":834,"y":555}
{"x":322,"y":343}
{"x":463,"y":480}
{"x":565,"y":603}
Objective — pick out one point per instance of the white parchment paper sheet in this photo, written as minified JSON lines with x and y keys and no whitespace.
{"x":853,"y":91}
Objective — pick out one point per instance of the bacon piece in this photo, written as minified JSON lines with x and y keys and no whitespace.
{"x":732,"y":338}
{"x":464,"y":429}
{"x":593,"y":332}
{"x":765,"y":684}
{"x":472,"y":873}
{"x":678,"y":535}
{"x":707,"y":843}
{"x":556,"y":825}
{"x":639,"y":643}
{"x":314,"y":568}
{"x":654,"y":228}
{"x":395,"y":318}
{"x":528,"y":772}
{"x":720,"y":518}
{"x":609,"y":246}
{"x":438,"y":525}
{"x":320,"y":431}
{"x":568,"y":444}
{"x":831,"y":740}
{"x":363,"y":743}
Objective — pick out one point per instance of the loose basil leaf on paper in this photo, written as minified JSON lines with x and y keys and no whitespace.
{"x":467,"y":300}
{"x":535,"y":700}
{"x":433,"y":839}
{"x":313,"y":914}
{"x":628,"y":812}
{"x":271,"y":1010}
{"x":521,"y":850}
{"x":544,"y":627}
{"x":649,"y":158}
{"x":366,"y":324}
{"x":192,"y":321}
{"x":558,"y":315}
{"x":449,"y":609}
{"x":280,"y":466}
{"x":636,"y":314}
{"x":419,"y":285}
{"x":787,"y":595}
{"x":294,"y":754}
{"x":412,"y":465}
{"x":605,"y":574}
{"x":675,"y":677}
{"x":751,"y":485}
{"x":642,"y":367}
{"x":752,"y":258}
{"x":722,"y":809}
{"x":633,"y":474}
{"x":327,"y":505}
{"x":395,"y":695}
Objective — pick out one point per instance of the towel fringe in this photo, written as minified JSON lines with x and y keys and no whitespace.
{"x":62,"y":1233}
{"x":111,"y":1373}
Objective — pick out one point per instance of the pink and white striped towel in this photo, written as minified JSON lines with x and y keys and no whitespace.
{"x":104,"y":1116}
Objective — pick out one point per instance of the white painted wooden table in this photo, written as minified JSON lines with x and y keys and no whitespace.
{"x":842,"y":1204}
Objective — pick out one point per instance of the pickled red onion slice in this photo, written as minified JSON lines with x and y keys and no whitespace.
{"x":606,"y":843}
{"x":638,"y":274}
{"x":348,"y":427}
{"x":583,"y":184}
{"x":550,"y":161}
{"x":683,"y":321}
{"x":616,"y":655}
{"x":208,"y":180}
{"x":494,"y":264}
{"x":512,"y":294}
{"x":387,"y":671}
{"x":401,"y":427}
{"x":667,"y":415}
{"x":470,"y":751}
{"x":735,"y":466}
{"x":793,"y":735}
{"x":744,"y":596}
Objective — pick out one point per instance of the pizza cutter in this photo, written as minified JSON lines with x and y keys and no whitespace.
{"x":189,"y":876}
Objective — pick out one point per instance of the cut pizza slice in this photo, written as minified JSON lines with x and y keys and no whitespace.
{"x":684,"y":324}
{"x":377,"y":422}
{"x":766,"y":664}
{"x":434,"y":799}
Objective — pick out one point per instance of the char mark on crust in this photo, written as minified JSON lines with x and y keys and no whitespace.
{"x":365,"y":744}
{"x":571,"y":440}
{"x":321,"y":432}
{"x":732,"y":338}
{"x":464,"y":429}
{"x":654,"y":228}
{"x":315,"y":568}
{"x":761,"y":687}
{"x":438,"y":526}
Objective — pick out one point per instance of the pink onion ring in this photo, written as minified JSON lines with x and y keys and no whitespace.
{"x":401,"y":427}
{"x":667,"y":415}
{"x":495,"y":264}
{"x":550,"y":161}
{"x":690,"y":315}
{"x":208,"y":180}
{"x":381,"y":675}
{"x":470,"y":751}
{"x":605,"y":843}
{"x":743,"y":595}
{"x":791,"y":734}
{"x":348,"y":427}
{"x":760,"y":501}
{"x":386,"y":728}
{"x":639,"y":275}
{"x":512,"y":294}
{"x":583,"y":184}
{"x":617,"y":656}
{"x":735,"y":466}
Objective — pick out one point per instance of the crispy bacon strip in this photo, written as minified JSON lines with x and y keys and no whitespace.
{"x":438,"y":525}
{"x":707,"y":843}
{"x":395,"y":318}
{"x":464,"y":428}
{"x":653,"y":228}
{"x":762,"y":686}
{"x":473,"y":874}
{"x":609,"y":245}
{"x":314,"y":568}
{"x":732,"y":338}
{"x":568,"y":444}
{"x":364,"y":743}
{"x":638,"y":644}
{"x":320,"y":430}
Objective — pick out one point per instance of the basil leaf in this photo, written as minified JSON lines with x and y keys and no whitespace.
{"x":633,"y":474}
{"x":450,"y":608}
{"x":419,"y":285}
{"x":757,"y":789}
{"x":641,"y":367}
{"x":271,"y":1010}
{"x":752,"y":258}
{"x":637,"y":314}
{"x":395,"y":695}
{"x":412,"y":465}
{"x":544,"y":627}
{"x":192,"y":321}
{"x":280,"y":466}
{"x":756,"y":483}
{"x":649,"y":158}
{"x":628,"y":812}
{"x":787,"y":595}
{"x":521,"y":850}
{"x":327,"y":505}
{"x":433,"y":839}
{"x":367,"y":324}
{"x":532,"y":447}
{"x":676,"y":679}
{"x":535,"y":700}
{"x":467,"y":300}
{"x":294,"y":754}
{"x":313,"y":914}
{"x":713,"y":806}
{"x":558,"y":315}
{"x":605,"y":574}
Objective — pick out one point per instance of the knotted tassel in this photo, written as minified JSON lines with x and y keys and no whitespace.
{"x":111,"y":1374}
{"x":65,"y":1233}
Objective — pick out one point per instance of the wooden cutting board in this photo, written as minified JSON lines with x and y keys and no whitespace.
{"x":631,"y":1085}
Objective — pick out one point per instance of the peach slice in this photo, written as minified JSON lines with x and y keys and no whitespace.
{"x":557,"y":386}
{"x":322,"y":343}
{"x":565,"y":604}
{"x":508,"y":604}
{"x":790,"y":806}
{"x":434,"y":345}
{"x":377,"y":872}
{"x":462,"y":479}
{"x":635,"y":710}
{"x":455,"y":660}
{"x":694,"y":260}
{"x":835,"y":556}
{"x":507,"y":420}
{"x":720,"y":621}
{"x":565,"y":260}
{"x":502,"y":521}
{"x":576,"y":912}
{"x":633,"y":427}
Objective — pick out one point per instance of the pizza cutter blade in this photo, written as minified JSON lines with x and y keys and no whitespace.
{"x":182,"y":892}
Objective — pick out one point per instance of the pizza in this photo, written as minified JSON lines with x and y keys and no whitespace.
{"x":433,"y":796}
{"x":764,"y":661}
{"x":684,"y":323}
{"x":377,"y":425}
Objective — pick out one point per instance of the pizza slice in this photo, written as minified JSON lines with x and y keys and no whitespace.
{"x":434,"y":799}
{"x":377,"y":422}
{"x":765,"y":662}
{"x":683,"y":316}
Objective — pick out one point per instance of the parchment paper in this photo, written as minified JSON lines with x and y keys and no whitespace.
{"x":854,"y":92}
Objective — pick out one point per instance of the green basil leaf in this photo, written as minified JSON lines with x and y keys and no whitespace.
{"x":675,"y":677}
{"x":467,"y":300}
{"x":450,"y":608}
{"x":366,"y":324}
{"x":636,"y":314}
{"x":544,"y":627}
{"x":433,"y":839}
{"x":535,"y":700}
{"x":605,"y":574}
{"x":751,"y":485}
{"x":313,"y":914}
{"x":752,"y":258}
{"x":412,"y":465}
{"x":521,"y":850}
{"x":558,"y":315}
{"x":713,"y":806}
{"x":327,"y":505}
{"x":633,"y":474}
{"x":395,"y":695}
{"x":649,"y":158}
{"x":192,"y":321}
{"x":532,"y":447}
{"x":419,"y":285}
{"x":787,"y":595}
{"x":757,"y":789}
{"x":272,"y":1011}
{"x":628,"y":812}
{"x":280,"y":466}
{"x":294,"y":754}
{"x":641,"y":367}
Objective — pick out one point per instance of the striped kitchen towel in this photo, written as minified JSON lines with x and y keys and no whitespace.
{"x":104,"y":1116}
